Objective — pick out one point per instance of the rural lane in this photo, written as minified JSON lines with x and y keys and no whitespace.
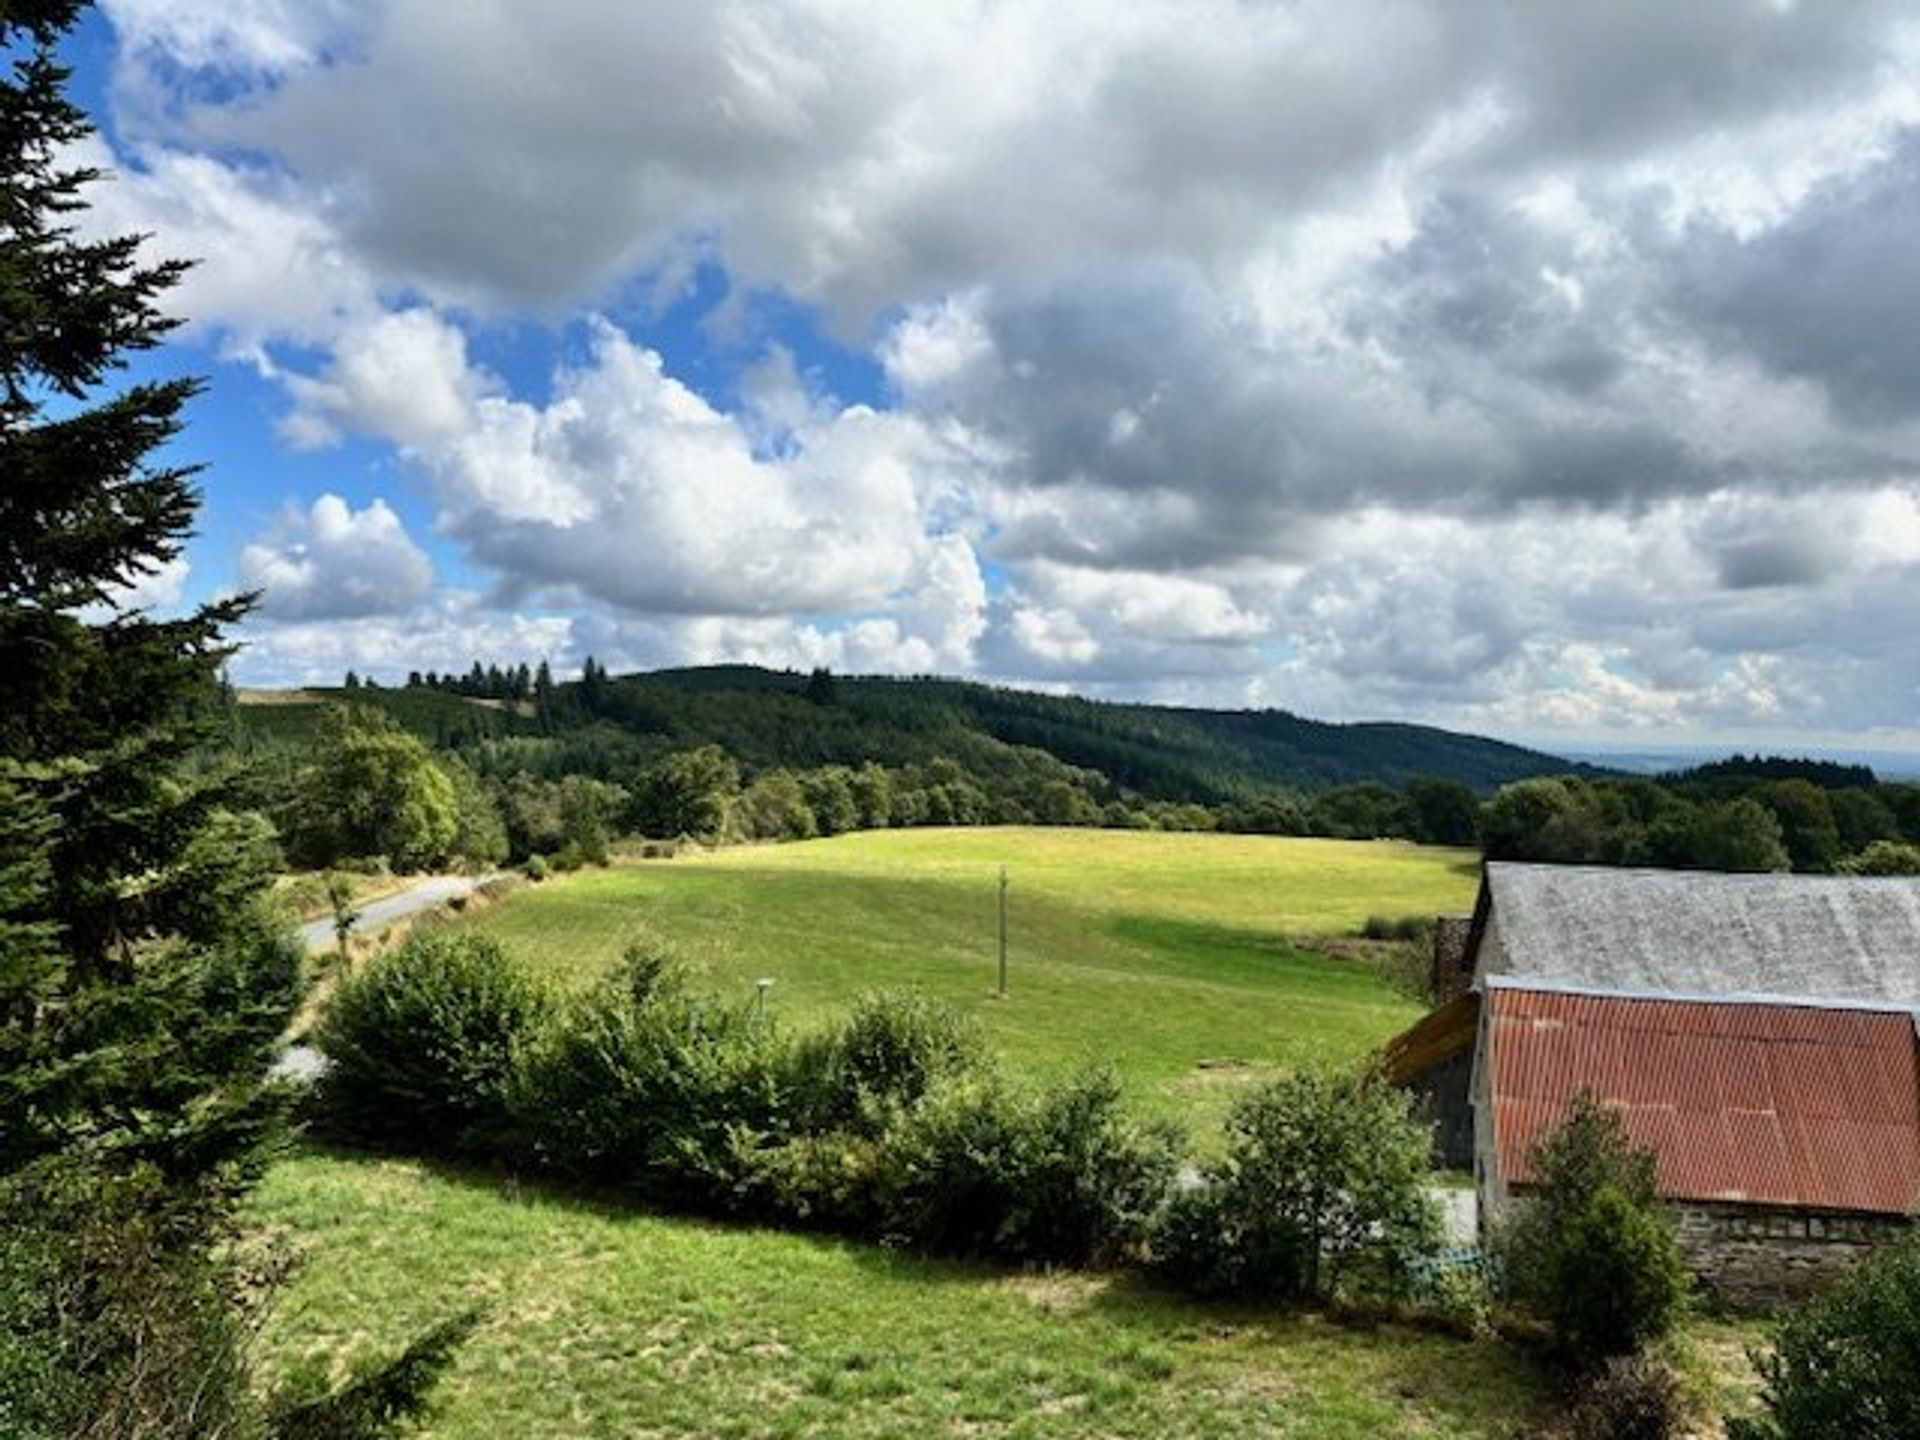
{"x":317,"y":935}
{"x":303,"y":1062}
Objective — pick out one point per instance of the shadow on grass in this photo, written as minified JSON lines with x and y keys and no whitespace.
{"x":1125,"y":1299}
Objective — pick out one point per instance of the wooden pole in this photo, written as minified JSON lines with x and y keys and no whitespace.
{"x":1003,"y":932}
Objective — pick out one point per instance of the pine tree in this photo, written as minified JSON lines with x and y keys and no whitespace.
{"x":143,"y":985}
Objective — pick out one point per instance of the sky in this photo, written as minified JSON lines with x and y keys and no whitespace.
{"x":1540,"y":369}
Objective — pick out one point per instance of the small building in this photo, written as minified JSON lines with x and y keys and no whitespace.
{"x":1756,"y":1031}
{"x":1787,"y":1137}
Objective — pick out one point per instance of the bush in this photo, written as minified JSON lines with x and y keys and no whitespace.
{"x":646,"y":1084}
{"x":1847,"y":1365}
{"x":1615,"y":1276}
{"x":1323,"y":1189}
{"x":1631,"y":1398}
{"x":1591,"y":1250}
{"x":1405,"y":927}
{"x":536,"y":868}
{"x":423,"y":1041}
{"x":1064,"y":1178}
{"x":893,"y":1048}
{"x":114,"y":1313}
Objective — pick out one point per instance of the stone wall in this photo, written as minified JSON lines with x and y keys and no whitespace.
{"x":1449,"y":977}
{"x":1756,"y":1257}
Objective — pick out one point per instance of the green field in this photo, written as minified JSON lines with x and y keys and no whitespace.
{"x":1174,"y":957}
{"x":1163,"y":955}
{"x":609,"y":1324}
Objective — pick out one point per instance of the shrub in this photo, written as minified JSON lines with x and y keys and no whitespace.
{"x":644,"y":1083}
{"x":1615,"y":1277}
{"x":536,"y":868}
{"x":1590,"y":1250}
{"x":114,"y":1314}
{"x":1847,"y":1365}
{"x":1632,"y":1397}
{"x":1405,"y":927}
{"x":1064,"y":1178}
{"x":422,"y":1044}
{"x":893,"y":1048}
{"x":1323,"y":1188}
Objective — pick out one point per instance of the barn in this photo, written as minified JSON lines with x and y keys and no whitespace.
{"x":1756,"y":1031}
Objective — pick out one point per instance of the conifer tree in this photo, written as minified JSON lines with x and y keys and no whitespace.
{"x":143,"y":986}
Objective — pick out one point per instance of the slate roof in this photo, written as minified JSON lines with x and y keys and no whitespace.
{"x":1758,"y":1103}
{"x":1693,"y":933}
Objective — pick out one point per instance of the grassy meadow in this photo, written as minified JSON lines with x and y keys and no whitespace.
{"x":601,"y":1322}
{"x":1176,"y":958}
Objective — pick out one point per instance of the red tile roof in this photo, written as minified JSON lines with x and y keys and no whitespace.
{"x":1771,"y":1104}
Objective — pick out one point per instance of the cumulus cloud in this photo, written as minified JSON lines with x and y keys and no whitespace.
{"x":1539,"y":366}
{"x":333,"y":562}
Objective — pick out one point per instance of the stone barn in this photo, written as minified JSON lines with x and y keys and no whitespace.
{"x":1756,"y":1031}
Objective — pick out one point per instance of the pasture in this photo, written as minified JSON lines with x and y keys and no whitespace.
{"x":1178,"y":959}
{"x":1182,"y":960}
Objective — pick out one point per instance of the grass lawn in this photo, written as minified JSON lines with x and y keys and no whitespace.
{"x":611,"y":1324}
{"x":1171,"y":956}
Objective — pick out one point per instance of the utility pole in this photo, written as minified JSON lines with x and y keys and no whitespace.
{"x":1003,"y":932}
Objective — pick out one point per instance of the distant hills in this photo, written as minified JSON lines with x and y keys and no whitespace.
{"x":767,"y":718}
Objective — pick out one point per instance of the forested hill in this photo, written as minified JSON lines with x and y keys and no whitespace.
{"x":767,"y":718}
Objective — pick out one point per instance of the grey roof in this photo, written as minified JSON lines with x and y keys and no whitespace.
{"x":1690,"y":932}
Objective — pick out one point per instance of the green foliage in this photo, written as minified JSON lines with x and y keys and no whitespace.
{"x":480,"y":834}
{"x":1323,"y":1189}
{"x":892,"y":1049}
{"x":1445,"y":812}
{"x":1631,"y":1397}
{"x":115,"y":1321}
{"x":688,"y":793}
{"x":1061,"y":1178}
{"x":1569,"y":820}
{"x":1846,"y":1366}
{"x":1590,"y":1249}
{"x":775,"y":807}
{"x":1884,"y":857}
{"x":646,"y":1083}
{"x":1807,"y":825}
{"x":379,"y":1400}
{"x":423,"y":1044}
{"x":1616,"y":1278}
{"x":373,"y":789}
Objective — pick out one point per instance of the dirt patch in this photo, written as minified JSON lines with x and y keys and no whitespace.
{"x":1059,"y":1292}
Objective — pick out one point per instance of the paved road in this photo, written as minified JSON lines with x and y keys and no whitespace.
{"x":377,"y":914}
{"x":303,"y":1062}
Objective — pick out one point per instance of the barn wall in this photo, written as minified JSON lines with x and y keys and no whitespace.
{"x":1443,"y":1096}
{"x":1757,"y":1257}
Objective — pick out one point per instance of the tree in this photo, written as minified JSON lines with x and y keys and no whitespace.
{"x":1325,"y":1180}
{"x":143,"y":983}
{"x":1590,"y":1249}
{"x":688,"y":793}
{"x":1806,"y":823}
{"x":1445,"y":812}
{"x":1884,"y":857}
{"x":374,"y":790}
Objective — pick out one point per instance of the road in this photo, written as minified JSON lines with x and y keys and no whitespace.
{"x":303,"y":1062}
{"x":317,"y":935}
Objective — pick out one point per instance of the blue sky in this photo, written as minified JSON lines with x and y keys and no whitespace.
{"x":1542,"y":373}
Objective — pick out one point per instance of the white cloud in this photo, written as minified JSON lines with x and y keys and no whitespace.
{"x":447,"y":633}
{"x":1537,"y":367}
{"x":333,"y":562}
